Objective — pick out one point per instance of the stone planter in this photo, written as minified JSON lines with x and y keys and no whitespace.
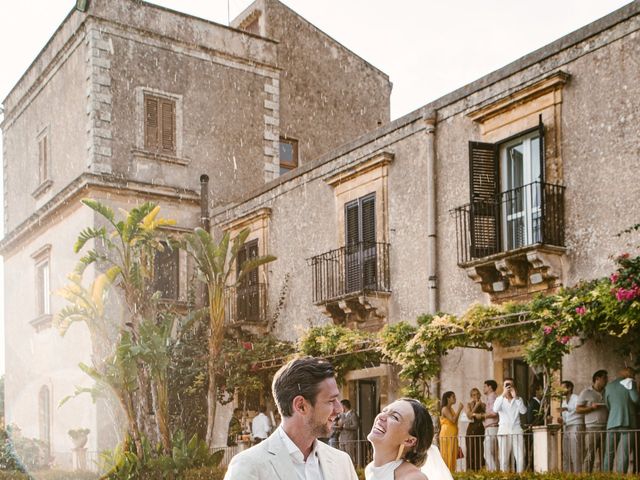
{"x":546,"y":448}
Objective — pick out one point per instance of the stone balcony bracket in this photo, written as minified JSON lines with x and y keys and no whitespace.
{"x":528,"y":269}
{"x":363,"y":310}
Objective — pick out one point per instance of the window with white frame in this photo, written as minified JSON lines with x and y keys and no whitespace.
{"x":521,"y":176}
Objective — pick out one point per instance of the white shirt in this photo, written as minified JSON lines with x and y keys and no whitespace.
{"x":309,"y":470}
{"x":260,"y":426}
{"x":509,"y":412}
{"x":570,"y":416}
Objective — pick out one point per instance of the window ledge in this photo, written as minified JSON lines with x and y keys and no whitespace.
{"x":42,"y":322}
{"x":159,"y":157}
{"x":42,"y":188}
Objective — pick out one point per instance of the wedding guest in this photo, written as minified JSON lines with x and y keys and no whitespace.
{"x":591,"y":405}
{"x":449,"y":430}
{"x":474,"y":440}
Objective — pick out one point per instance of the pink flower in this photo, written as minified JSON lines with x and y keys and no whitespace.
{"x":247,"y":345}
{"x":564,"y":340}
{"x":623,"y":256}
{"x":547,"y":330}
{"x":581,"y":310}
{"x":624,"y":295}
{"x":614,"y":277}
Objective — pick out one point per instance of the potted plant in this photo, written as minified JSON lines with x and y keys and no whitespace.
{"x":79,"y":437}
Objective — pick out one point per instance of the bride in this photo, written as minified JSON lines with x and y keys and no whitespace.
{"x":401,"y":438}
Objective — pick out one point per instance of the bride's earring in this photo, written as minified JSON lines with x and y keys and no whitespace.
{"x":400,"y":452}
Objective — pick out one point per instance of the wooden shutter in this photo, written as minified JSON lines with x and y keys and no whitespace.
{"x":369,"y":247}
{"x":351,"y":226}
{"x":168,"y":115}
{"x":369,"y":220}
{"x":150,"y":122}
{"x":485,"y":212}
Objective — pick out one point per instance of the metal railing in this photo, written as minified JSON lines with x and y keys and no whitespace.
{"x":355,"y":268}
{"x":527,"y":215}
{"x":588,"y":450}
{"x":246,"y":304}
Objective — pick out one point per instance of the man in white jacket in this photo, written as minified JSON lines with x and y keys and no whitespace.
{"x":509,"y":406}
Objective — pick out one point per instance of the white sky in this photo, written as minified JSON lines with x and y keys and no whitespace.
{"x":427,"y":47}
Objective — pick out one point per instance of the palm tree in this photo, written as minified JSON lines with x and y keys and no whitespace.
{"x":215,"y":261}
{"x":140,"y":359}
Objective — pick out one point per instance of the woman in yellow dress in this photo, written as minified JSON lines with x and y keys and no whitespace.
{"x":449,"y":430}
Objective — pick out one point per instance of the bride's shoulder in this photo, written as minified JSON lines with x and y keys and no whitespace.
{"x":409,"y":471}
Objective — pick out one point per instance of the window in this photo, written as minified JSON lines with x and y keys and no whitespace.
{"x":166,"y":272}
{"x":360,"y":244}
{"x":288,"y":155}
{"x":43,"y":288}
{"x":43,"y":159}
{"x":507,"y":193}
{"x":159,"y":124}
{"x":521,"y":177}
{"x":248,"y":291}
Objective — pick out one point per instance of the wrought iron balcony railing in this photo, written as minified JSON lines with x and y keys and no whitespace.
{"x":528,"y":215}
{"x":356,"y":268}
{"x":246,"y":304}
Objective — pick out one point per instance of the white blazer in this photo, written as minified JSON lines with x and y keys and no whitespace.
{"x":270,"y":460}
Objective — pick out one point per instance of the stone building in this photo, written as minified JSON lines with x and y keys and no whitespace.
{"x":510,"y":186}
{"x":130,"y":102}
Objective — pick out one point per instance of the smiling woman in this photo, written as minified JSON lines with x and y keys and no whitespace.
{"x":401,"y":438}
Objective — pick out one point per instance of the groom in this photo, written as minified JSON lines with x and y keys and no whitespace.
{"x":307,"y":397}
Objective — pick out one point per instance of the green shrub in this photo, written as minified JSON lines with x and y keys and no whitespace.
{"x":63,"y":475}
{"x":13,"y":476}
{"x":538,"y":476}
{"x":205,"y":473}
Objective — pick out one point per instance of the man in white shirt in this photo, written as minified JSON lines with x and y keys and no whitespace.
{"x":260,"y":425}
{"x":308,"y":400}
{"x":490,"y":421}
{"x":591,"y":404}
{"x":572,"y":430}
{"x":509,"y":406}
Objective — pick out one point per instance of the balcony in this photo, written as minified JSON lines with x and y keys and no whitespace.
{"x":351,"y":284}
{"x":513,"y":243}
{"x":246,"y":307}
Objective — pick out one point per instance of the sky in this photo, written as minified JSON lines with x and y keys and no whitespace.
{"x":427,"y":47}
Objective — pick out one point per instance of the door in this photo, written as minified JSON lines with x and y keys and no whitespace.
{"x":248,"y":292}
{"x":368,"y":408}
{"x":521,"y":191}
{"x":360,"y":244}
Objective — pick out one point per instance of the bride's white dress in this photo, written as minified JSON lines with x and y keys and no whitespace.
{"x":434,"y":468}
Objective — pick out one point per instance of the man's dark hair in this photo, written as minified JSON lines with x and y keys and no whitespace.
{"x":491,"y":383}
{"x":301,"y":376}
{"x":599,"y":374}
{"x":422,"y":429}
{"x":237,"y":410}
{"x":567,"y":383}
{"x":346,"y":403}
{"x":508,"y":379}
{"x":262,"y":409}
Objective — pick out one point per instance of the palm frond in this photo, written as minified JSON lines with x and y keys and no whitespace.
{"x":86,"y":235}
{"x":101,"y":208}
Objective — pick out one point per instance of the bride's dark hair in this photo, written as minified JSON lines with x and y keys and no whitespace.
{"x":422,"y":429}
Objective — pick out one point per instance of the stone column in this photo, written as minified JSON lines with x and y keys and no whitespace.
{"x":546,"y":448}
{"x":79,"y":458}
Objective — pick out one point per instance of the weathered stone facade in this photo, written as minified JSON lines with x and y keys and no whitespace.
{"x":581,"y":88}
{"x":234,"y":94}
